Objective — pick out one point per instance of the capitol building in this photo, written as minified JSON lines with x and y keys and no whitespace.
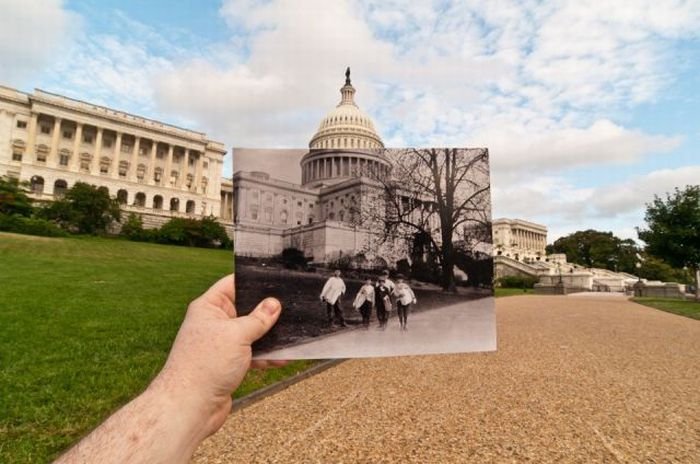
{"x":319,"y":214}
{"x":155,"y":169}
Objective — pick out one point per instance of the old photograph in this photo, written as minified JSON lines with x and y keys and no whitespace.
{"x":372,"y":251}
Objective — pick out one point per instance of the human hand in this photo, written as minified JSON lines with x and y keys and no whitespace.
{"x":211,"y":355}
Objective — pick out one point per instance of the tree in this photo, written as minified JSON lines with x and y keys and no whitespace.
{"x":673,"y":230}
{"x":433,"y":194}
{"x":592,"y":248}
{"x":84,"y":209}
{"x":13,"y":197}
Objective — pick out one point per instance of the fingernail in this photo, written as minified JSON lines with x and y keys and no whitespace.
{"x":271,"y":306}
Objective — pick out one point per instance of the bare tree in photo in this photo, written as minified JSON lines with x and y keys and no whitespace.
{"x":434,"y":196}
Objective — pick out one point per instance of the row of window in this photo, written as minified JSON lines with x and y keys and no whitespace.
{"x":88,"y":138}
{"x":60,"y":187}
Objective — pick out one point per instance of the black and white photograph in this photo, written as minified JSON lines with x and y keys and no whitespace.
{"x":372,"y":251}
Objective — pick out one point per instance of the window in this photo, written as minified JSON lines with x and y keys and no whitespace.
{"x":85,"y":165}
{"x":140,"y":172}
{"x":189,"y":207}
{"x":142,"y":151}
{"x":67,"y":134}
{"x":157,"y":174}
{"x":87,"y":138}
{"x":45,"y":129}
{"x":298,"y":203}
{"x":41,"y":157}
{"x":190,"y":180}
{"x":205,"y":165}
{"x":37,"y":185}
{"x":160,"y":154}
{"x":104,"y":165}
{"x":157,"y":202}
{"x":21,"y":124}
{"x":108,"y":143}
{"x":16,"y":155}
{"x":123,"y":168}
{"x":126,"y":148}
{"x":63,"y":160}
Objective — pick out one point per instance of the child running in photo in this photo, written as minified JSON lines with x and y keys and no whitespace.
{"x":404,"y":298}
{"x":364,"y":301}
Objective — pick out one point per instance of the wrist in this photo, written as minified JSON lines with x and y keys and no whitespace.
{"x":190,"y":415}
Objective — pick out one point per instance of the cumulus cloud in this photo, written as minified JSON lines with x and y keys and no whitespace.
{"x":565,"y":207}
{"x":32,"y":33}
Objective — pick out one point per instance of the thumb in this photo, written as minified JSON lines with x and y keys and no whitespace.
{"x":259,"y":321}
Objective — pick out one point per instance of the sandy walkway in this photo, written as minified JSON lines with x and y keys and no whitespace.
{"x":575,"y":380}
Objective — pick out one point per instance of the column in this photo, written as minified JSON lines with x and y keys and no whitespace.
{"x":74,"y":164}
{"x":168,"y":166}
{"x":95,"y":161}
{"x":134,"y":160}
{"x":198,"y":168}
{"x":114,"y":171}
{"x":151,"y":168}
{"x":53,"y":151}
{"x":31,"y":137}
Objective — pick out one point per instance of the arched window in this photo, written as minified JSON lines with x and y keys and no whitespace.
{"x":341,"y":215}
{"x":122,"y":197}
{"x":37,"y":185}
{"x":189,"y":207}
{"x":140,"y":199}
{"x":59,"y":188}
{"x":284,"y":217}
{"x":174,"y":204}
{"x":157,"y":202}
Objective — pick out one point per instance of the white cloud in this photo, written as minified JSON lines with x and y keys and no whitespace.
{"x":32,"y":33}
{"x":565,"y":208}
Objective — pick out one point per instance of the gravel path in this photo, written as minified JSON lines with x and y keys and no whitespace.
{"x":575,"y":379}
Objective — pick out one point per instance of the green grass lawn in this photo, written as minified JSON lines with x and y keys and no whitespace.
{"x":85,"y":324}
{"x":511,"y":291}
{"x":687,"y":308}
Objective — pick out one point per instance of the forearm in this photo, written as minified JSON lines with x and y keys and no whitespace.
{"x":152,"y":428}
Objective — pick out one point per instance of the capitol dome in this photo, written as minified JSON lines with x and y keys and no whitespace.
{"x":345,"y":145}
{"x":346,"y":126}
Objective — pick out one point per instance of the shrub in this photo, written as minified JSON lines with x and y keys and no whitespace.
{"x":293,"y":258}
{"x":30,"y":226}
{"x":206,"y":233}
{"x":85,"y":209}
{"x":517,"y":281}
{"x":13,"y":197}
{"x":342,"y":262}
{"x":133,"y":228}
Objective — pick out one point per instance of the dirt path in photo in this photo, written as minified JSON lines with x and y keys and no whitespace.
{"x":574,"y":379}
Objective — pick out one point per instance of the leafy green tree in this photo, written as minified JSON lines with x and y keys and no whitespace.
{"x":653,"y":268}
{"x":592,"y":248}
{"x":13,"y":197}
{"x":673,"y":230}
{"x":84,"y":209}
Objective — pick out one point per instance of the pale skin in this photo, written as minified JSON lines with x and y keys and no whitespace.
{"x":191,"y":397}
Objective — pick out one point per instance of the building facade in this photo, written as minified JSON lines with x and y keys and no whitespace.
{"x":155,"y":169}
{"x":519,"y":239}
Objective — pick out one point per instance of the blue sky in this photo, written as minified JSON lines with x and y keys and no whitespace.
{"x":588,"y":109}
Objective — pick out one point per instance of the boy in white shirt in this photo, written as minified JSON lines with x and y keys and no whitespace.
{"x":404,"y":298}
{"x":364,"y":301}
{"x":331,"y":293}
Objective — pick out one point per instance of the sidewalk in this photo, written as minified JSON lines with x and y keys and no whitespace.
{"x":589,"y":380}
{"x":468,"y":326}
